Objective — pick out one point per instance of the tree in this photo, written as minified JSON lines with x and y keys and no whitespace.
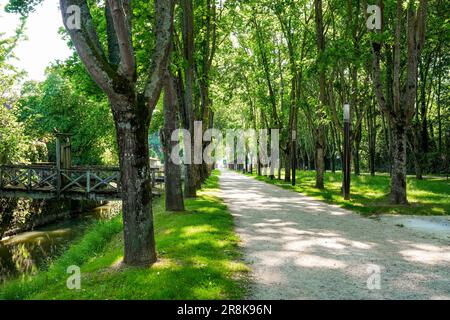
{"x":132,"y":104}
{"x":399,"y":107}
{"x":14,"y":144}
{"x":320,"y":131}
{"x":172,"y":171}
{"x":186,"y":90}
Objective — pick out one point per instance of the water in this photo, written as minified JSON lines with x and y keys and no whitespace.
{"x":26,"y":253}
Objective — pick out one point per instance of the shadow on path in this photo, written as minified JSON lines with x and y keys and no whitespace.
{"x":301,"y":248}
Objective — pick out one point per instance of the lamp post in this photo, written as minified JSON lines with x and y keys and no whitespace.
{"x":294,"y":157}
{"x":346,"y":162}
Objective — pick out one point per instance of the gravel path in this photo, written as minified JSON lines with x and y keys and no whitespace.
{"x":300,"y":248}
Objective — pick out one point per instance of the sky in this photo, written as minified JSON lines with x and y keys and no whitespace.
{"x":44,"y":44}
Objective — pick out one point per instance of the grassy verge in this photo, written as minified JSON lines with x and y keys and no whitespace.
{"x":197,"y":250}
{"x":369,"y":195}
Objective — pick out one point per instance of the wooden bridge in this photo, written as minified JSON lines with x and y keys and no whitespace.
{"x":61,"y":180}
{"x":78,"y":183}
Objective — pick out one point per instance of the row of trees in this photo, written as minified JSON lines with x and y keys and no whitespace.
{"x":293,"y":64}
{"x":130,"y":66}
{"x":287,"y":64}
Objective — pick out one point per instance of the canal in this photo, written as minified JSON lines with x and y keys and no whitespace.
{"x":26,"y":253}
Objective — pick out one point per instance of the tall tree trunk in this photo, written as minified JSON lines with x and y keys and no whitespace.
{"x":356,"y":148}
{"x":438,"y":102}
{"x":320,"y":132}
{"x":172,"y":171}
{"x":190,"y":179}
{"x":417,"y":154}
{"x":388,"y":143}
{"x":320,"y":166}
{"x":398,"y":179}
{"x":371,"y":132}
{"x":132,"y":109}
{"x":132,"y":138}
{"x":287,"y":164}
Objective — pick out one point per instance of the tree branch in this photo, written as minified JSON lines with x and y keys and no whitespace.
{"x":122,"y":23}
{"x":88,"y":46}
{"x":163,"y":30}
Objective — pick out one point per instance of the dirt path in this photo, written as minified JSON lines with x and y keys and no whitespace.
{"x":300,"y":248}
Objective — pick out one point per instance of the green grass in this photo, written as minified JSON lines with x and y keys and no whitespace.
{"x":369,"y":195}
{"x":198,"y":258}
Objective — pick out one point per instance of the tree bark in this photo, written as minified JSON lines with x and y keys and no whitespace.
{"x":400,"y":110}
{"x":132,"y":138}
{"x":131,"y":109}
{"x":371,"y":133}
{"x":287,"y":164}
{"x":398,"y":179}
{"x":172,"y":172}
{"x":190,"y":178}
{"x":356,"y":148}
{"x":320,"y":166}
{"x":320,"y":132}
{"x":417,"y":154}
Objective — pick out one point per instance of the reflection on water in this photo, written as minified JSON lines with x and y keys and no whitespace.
{"x":25,"y":253}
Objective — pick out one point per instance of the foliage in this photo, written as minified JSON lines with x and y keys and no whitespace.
{"x":69,"y":105}
{"x":15,"y":144}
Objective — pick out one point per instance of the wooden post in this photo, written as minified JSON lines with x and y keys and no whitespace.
{"x":347,"y":152}
{"x":88,"y":181}
{"x":58,"y":166}
{"x":63,"y":156}
{"x":154,"y":178}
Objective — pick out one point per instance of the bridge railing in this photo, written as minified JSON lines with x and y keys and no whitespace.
{"x":28,"y":178}
{"x":85,"y":182}
{"x":100,"y":180}
{"x":51,"y":179}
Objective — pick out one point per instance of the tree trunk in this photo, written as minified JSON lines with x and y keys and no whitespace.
{"x":190,"y":179}
{"x":356,"y":149}
{"x":287,"y":165}
{"x":320,"y":167}
{"x":417,"y":153}
{"x":132,"y":138}
{"x":371,"y":133}
{"x":398,"y":179}
{"x":320,"y":132}
{"x":258,"y":165}
{"x":333,"y":164}
{"x":132,"y":109}
{"x":438,"y":103}
{"x":172,"y":171}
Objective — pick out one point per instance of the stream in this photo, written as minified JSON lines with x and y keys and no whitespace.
{"x":25,"y":253}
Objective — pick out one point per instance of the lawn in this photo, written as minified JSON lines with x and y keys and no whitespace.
{"x":369,"y":195}
{"x":198,"y":258}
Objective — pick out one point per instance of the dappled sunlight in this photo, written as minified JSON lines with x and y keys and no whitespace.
{"x":338,"y":213}
{"x":293,"y":241}
{"x":314,"y":261}
{"x":191,"y":230}
{"x":117,"y":262}
{"x":329,"y":243}
{"x":427,"y":254}
{"x":370,"y":194}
